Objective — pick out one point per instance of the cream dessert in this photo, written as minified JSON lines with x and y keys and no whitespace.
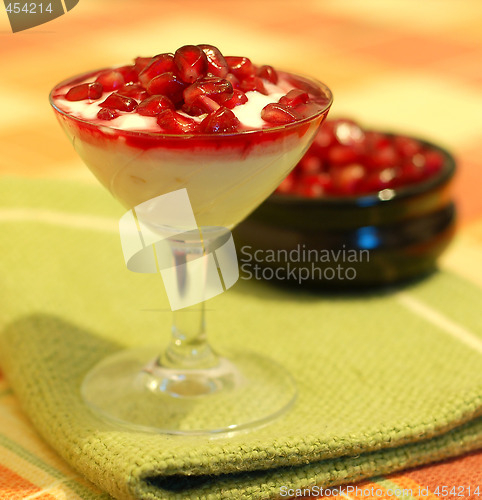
{"x":225,"y":129}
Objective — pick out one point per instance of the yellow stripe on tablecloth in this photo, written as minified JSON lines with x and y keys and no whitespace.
{"x":441,"y":321}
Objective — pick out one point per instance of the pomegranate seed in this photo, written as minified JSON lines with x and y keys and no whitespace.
{"x":406,"y":146}
{"x":206,"y":104}
{"x":310,"y":164}
{"x":141,"y":63}
{"x":84,"y":91}
{"x":167,"y":84}
{"x":383,"y":158}
{"x":217,"y":89}
{"x":346,"y":179}
{"x":171,"y":121}
{"x":341,"y":155}
{"x":192,"y":110}
{"x":154,"y":105}
{"x":287,"y":184}
{"x":120,"y":102}
{"x":232,"y":80}
{"x":162,"y":63}
{"x":279,"y":114}
{"x":376,"y":140}
{"x":268,"y":73}
{"x":221,"y":121}
{"x":308,"y":109}
{"x":253,"y":83}
{"x":110,"y":79}
{"x":381,"y":179}
{"x":313,"y":186}
{"x":324,"y":138}
{"x":133,"y":90}
{"x":107,"y":114}
{"x":321,"y":100}
{"x":294,"y":98}
{"x":412,"y":171}
{"x":129,"y":73}
{"x":241,"y":67}
{"x":433,"y":161}
{"x":348,"y":133}
{"x":217,"y":65}
{"x":239,"y":97}
{"x":191,"y":63}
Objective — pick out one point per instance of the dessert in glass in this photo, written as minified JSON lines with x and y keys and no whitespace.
{"x":228,"y":132}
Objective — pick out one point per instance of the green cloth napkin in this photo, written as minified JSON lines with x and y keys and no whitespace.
{"x":386,"y":381}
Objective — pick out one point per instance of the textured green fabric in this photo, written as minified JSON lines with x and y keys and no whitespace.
{"x":381,"y":386}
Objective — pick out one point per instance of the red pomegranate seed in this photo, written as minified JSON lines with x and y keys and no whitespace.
{"x":141,"y":63}
{"x":278,"y":114}
{"x":191,"y":63}
{"x":341,"y":155}
{"x":268,"y":73}
{"x":313,"y":186}
{"x":406,"y":146}
{"x":253,"y":83}
{"x":129,"y":73}
{"x":217,"y":89}
{"x":120,"y":102}
{"x":162,"y":63}
{"x":107,"y":114}
{"x":192,"y":110}
{"x":239,"y":97}
{"x":84,"y":91}
{"x":324,"y":138}
{"x":133,"y":90}
{"x":167,"y":84}
{"x":348,"y":132}
{"x":294,"y":98}
{"x":310,"y":164}
{"x":241,"y":67}
{"x":154,"y":105}
{"x":433,"y":161}
{"x":375,"y":140}
{"x":412,"y":171}
{"x":232,"y":80}
{"x":221,"y":121}
{"x":308,"y":109}
{"x":171,"y":121}
{"x":383,"y":158}
{"x":347,"y":179}
{"x":110,"y":79}
{"x":381,"y":179}
{"x":217,"y":65}
{"x":287,"y":184}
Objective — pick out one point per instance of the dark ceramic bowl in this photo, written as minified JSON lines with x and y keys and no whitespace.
{"x":349,"y":242}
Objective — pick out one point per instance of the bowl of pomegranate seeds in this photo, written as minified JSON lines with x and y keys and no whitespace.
{"x":362,"y":208}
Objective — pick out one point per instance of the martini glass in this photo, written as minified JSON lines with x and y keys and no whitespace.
{"x":189,"y":388}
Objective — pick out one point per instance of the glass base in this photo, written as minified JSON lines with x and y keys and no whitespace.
{"x":131,"y":389}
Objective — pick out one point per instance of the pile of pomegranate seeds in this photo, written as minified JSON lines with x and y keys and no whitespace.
{"x":195,"y":81}
{"x":346,"y":160}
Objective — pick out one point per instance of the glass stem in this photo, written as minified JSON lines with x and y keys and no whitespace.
{"x":188,"y":348}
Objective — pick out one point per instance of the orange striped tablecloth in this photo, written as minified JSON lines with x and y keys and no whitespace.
{"x":398,"y":65}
